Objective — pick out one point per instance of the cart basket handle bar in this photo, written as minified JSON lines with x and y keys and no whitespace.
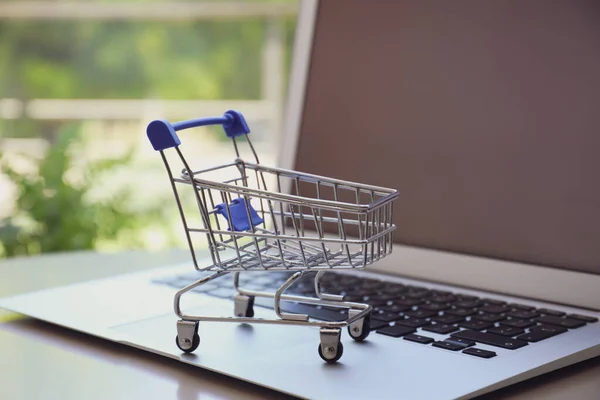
{"x":161,"y":133}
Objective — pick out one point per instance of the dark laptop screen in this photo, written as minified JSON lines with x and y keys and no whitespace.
{"x":485,"y":115}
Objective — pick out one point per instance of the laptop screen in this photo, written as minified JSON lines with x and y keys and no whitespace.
{"x":484,"y":115}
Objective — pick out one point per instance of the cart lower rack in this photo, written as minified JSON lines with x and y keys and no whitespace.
{"x":259,"y":218}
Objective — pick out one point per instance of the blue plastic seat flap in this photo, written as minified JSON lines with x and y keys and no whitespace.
{"x":240,"y":221}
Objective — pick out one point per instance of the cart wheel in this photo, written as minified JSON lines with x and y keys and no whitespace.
{"x":360,"y":334}
{"x":195,"y":344}
{"x":243,"y":306}
{"x":332,"y":358}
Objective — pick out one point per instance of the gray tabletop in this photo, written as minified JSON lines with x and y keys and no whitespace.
{"x":40,"y":360}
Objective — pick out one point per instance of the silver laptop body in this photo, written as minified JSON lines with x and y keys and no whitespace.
{"x":435,"y":252}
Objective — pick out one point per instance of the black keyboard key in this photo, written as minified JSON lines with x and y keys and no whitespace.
{"x":462,"y":297}
{"x":448,"y":319}
{"x":396,"y":330}
{"x":506,"y":330}
{"x":548,"y":311}
{"x":375,"y":324}
{"x":417,"y":293}
{"x":397,"y":308}
{"x":380,"y":297}
{"x":522,"y":314}
{"x":521,"y":307}
{"x":446,"y":298}
{"x":412,"y":322}
{"x":491,"y":338}
{"x":585,"y":318}
{"x":488,"y":317}
{"x":463,"y":342}
{"x":467,"y":303}
{"x":542,"y":332}
{"x":386,"y":316}
{"x":558,"y":321}
{"x":440,"y":328}
{"x":392,"y":290}
{"x":494,"y":309}
{"x":407,"y":301}
{"x":474,"y":324}
{"x":494,"y":302}
{"x":434,"y":306}
{"x":517,"y":323}
{"x":461,"y":312}
{"x":420,"y":313}
{"x":474,"y":351}
{"x":418,"y":338}
{"x":353,"y":297}
{"x":448,"y":345}
{"x":436,"y":292}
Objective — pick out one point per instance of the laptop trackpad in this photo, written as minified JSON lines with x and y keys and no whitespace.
{"x":221,"y":343}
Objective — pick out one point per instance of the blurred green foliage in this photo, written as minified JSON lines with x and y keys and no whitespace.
{"x":109,"y":59}
{"x":55,"y":210}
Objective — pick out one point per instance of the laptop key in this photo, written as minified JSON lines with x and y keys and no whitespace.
{"x":548,"y":311}
{"x":474,"y":351}
{"x":461,"y":312}
{"x":440,"y":328}
{"x":418,"y":338}
{"x":494,"y":309}
{"x":412,"y":322}
{"x":446,"y":298}
{"x":476,"y":325}
{"x":506,"y":330}
{"x":386,"y":316}
{"x":585,"y":318}
{"x":494,"y":302}
{"x":397,"y":308}
{"x":435,"y":306}
{"x":564,"y":322}
{"x":517,"y":323}
{"x":396,"y":330}
{"x":448,"y":345}
{"x":376,"y":324}
{"x":466,"y":297}
{"x":418,"y":313}
{"x":522,"y":314}
{"x":463,"y":342}
{"x":448,"y":319}
{"x":467,"y":303}
{"x":521,"y":307}
{"x":416,"y":293}
{"x":488,"y":317}
{"x":491,"y":338}
{"x":407,"y":301}
{"x":542,"y":332}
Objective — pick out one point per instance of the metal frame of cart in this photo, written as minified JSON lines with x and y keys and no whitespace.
{"x":324,"y":224}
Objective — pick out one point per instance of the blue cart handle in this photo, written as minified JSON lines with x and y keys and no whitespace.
{"x":161,"y":133}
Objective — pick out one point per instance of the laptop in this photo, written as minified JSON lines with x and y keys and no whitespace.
{"x":482,"y":115}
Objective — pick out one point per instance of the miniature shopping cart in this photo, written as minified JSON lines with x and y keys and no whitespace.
{"x":259,"y":218}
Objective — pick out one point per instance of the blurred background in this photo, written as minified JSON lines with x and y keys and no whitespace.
{"x":80,"y":80}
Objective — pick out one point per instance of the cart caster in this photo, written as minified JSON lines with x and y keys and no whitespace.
{"x":187,"y":338}
{"x":330,"y":348}
{"x":243,"y":306}
{"x":360,"y":329}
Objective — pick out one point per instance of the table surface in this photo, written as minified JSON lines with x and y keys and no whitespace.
{"x":40,"y":360}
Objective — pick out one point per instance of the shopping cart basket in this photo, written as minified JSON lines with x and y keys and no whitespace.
{"x":259,"y":218}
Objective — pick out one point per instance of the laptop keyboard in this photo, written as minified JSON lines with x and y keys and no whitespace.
{"x":409,"y":312}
